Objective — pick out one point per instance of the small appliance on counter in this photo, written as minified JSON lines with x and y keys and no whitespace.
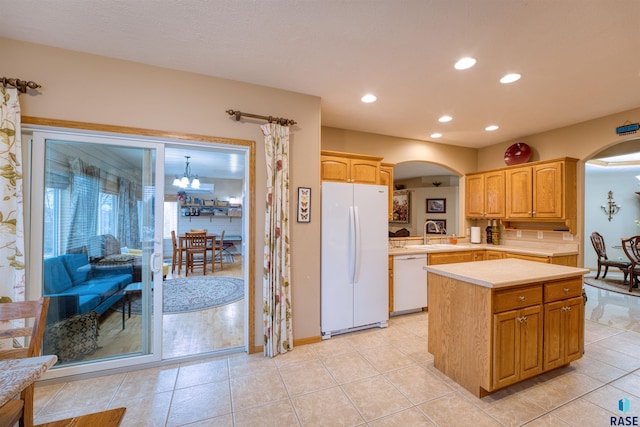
{"x":476,"y":235}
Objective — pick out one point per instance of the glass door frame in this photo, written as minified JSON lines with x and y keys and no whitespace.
{"x":36,"y":221}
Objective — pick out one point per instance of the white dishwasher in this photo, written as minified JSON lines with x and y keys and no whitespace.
{"x":409,"y":282}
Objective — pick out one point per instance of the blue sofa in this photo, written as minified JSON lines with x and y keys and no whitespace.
{"x":76,"y":287}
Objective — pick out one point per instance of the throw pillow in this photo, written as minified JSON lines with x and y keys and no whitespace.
{"x":73,"y":338}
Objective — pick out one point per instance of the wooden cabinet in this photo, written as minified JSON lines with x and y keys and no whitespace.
{"x":527,"y":257}
{"x":449,"y":257}
{"x":563,"y":323}
{"x":390,"y":284}
{"x":517,"y":345}
{"x":543,"y":191}
{"x":386,"y":178}
{"x":489,"y":254}
{"x":485,"y":195}
{"x":568,"y":260}
{"x":349,"y":167}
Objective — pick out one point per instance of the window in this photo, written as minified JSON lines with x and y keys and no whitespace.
{"x":170,"y":218}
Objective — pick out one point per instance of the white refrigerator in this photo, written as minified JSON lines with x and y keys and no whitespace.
{"x":354,"y":272}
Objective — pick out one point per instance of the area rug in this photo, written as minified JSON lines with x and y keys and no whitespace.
{"x":613,"y":284}
{"x":195,"y":293}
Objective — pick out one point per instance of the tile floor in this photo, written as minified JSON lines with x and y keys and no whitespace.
{"x":377,"y":377}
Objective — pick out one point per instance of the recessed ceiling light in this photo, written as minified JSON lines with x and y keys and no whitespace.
{"x":436,"y":135}
{"x":465,"y":63}
{"x":510,"y":78}
{"x":368,"y":98}
{"x":445,"y":119}
{"x":492,"y":127}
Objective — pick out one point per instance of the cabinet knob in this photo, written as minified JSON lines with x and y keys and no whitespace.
{"x":521,"y":298}
{"x":566,"y":290}
{"x":566,"y":308}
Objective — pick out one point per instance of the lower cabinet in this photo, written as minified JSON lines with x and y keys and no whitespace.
{"x":517,"y":345}
{"x":563,"y":332}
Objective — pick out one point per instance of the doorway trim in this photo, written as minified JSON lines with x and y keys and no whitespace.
{"x":181,"y":136}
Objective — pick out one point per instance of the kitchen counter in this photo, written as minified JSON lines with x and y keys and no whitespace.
{"x":502,"y":273}
{"x":438,"y":247}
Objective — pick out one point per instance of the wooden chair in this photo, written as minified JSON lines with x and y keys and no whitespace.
{"x":218,"y":246}
{"x":21,"y":410}
{"x":631,"y":248}
{"x":176,"y":251}
{"x":196,"y":244}
{"x":598,"y":244}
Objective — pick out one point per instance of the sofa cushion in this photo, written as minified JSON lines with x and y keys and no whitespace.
{"x":103,"y":286}
{"x":77,"y":266}
{"x":55,"y":276}
{"x":87,"y":303}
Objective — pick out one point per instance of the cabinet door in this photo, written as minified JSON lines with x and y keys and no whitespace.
{"x":494,"y":194}
{"x":519,"y":193}
{"x":364,"y":171}
{"x":334,"y":169}
{"x":505,"y":348}
{"x":489,"y":254}
{"x":563,"y":332}
{"x":531,"y":333}
{"x":386,"y":178}
{"x":548,"y":190}
{"x":475,"y":193}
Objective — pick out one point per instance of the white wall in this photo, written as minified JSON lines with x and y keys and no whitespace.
{"x":598,"y":182}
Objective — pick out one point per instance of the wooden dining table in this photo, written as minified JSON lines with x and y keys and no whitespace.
{"x":182,"y":247}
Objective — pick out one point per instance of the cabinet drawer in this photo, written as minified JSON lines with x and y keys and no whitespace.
{"x":517,"y":298}
{"x":450,"y":257}
{"x":562,"y":289}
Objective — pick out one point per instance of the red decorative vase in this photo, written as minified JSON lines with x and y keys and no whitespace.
{"x":517,"y":153}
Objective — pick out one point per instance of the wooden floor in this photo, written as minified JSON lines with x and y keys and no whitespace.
{"x":184,"y":333}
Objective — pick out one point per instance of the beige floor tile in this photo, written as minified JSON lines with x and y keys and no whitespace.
{"x":550,"y":394}
{"x":250,"y":365}
{"x":453,"y":410}
{"x":257,"y":390}
{"x":547,"y":421}
{"x":329,"y":407}
{"x":391,"y":335}
{"x":375,"y":397}
{"x":629,"y":384}
{"x":387,"y":358}
{"x":349,"y":367}
{"x":607,"y":397}
{"x":199,"y":402}
{"x":147,"y":381}
{"x":612,"y":356}
{"x":297,"y":355}
{"x":43,"y":395}
{"x":416,"y":349}
{"x":276,"y":414}
{"x":221,"y":421}
{"x":367,"y":339}
{"x":513,"y":411}
{"x":201,"y":373}
{"x":80,"y":394}
{"x":306,"y":377}
{"x":418,"y":384}
{"x":408,"y":417}
{"x":42,"y":418}
{"x":418,"y":328}
{"x":594,"y":331}
{"x":332,"y":347}
{"x":594,"y":368}
{"x":582,"y":413}
{"x":147,"y":411}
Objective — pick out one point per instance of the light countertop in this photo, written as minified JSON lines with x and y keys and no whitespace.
{"x":505,"y":272}
{"x":435,"y":248}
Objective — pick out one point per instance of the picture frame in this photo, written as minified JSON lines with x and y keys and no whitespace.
{"x":401,"y":207}
{"x":436,"y":205}
{"x":431,"y":229}
{"x":304,"y":204}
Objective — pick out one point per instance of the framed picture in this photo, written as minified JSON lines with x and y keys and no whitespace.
{"x":436,"y":205}
{"x":442,"y":225}
{"x":304,"y":204}
{"x":401,"y":207}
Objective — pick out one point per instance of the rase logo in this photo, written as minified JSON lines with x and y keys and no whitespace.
{"x":624,"y":406}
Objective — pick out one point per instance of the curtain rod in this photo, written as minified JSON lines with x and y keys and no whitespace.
{"x":21,"y":85}
{"x":282,"y":121}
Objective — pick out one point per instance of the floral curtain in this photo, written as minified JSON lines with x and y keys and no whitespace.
{"x":278,"y":331}
{"x":11,"y":207}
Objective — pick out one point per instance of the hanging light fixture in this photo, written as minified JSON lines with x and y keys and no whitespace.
{"x":187,"y":180}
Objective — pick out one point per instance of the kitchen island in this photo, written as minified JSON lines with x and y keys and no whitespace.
{"x":495,"y":323}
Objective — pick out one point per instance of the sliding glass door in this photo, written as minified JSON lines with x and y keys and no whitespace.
{"x":97,"y":232}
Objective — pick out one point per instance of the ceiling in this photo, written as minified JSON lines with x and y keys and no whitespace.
{"x":578,"y":58}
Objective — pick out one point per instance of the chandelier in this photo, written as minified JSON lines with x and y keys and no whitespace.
{"x":187,"y":180}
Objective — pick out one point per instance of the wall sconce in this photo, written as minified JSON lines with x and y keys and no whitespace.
{"x":610,"y":208}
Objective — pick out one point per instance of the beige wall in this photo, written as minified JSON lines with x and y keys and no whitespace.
{"x":94,"y":89}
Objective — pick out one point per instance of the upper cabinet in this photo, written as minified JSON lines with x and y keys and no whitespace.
{"x":386,"y":178}
{"x":349,"y":167}
{"x":485,"y":195}
{"x":543,"y":191}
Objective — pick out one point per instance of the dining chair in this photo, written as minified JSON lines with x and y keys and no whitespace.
{"x":603,"y":261}
{"x":176,"y":252}
{"x":218,"y":246}
{"x":631,"y":248}
{"x":26,"y":342}
{"x":196,"y":244}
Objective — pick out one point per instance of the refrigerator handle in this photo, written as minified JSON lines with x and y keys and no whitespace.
{"x":352,"y":243}
{"x":356,"y":261}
